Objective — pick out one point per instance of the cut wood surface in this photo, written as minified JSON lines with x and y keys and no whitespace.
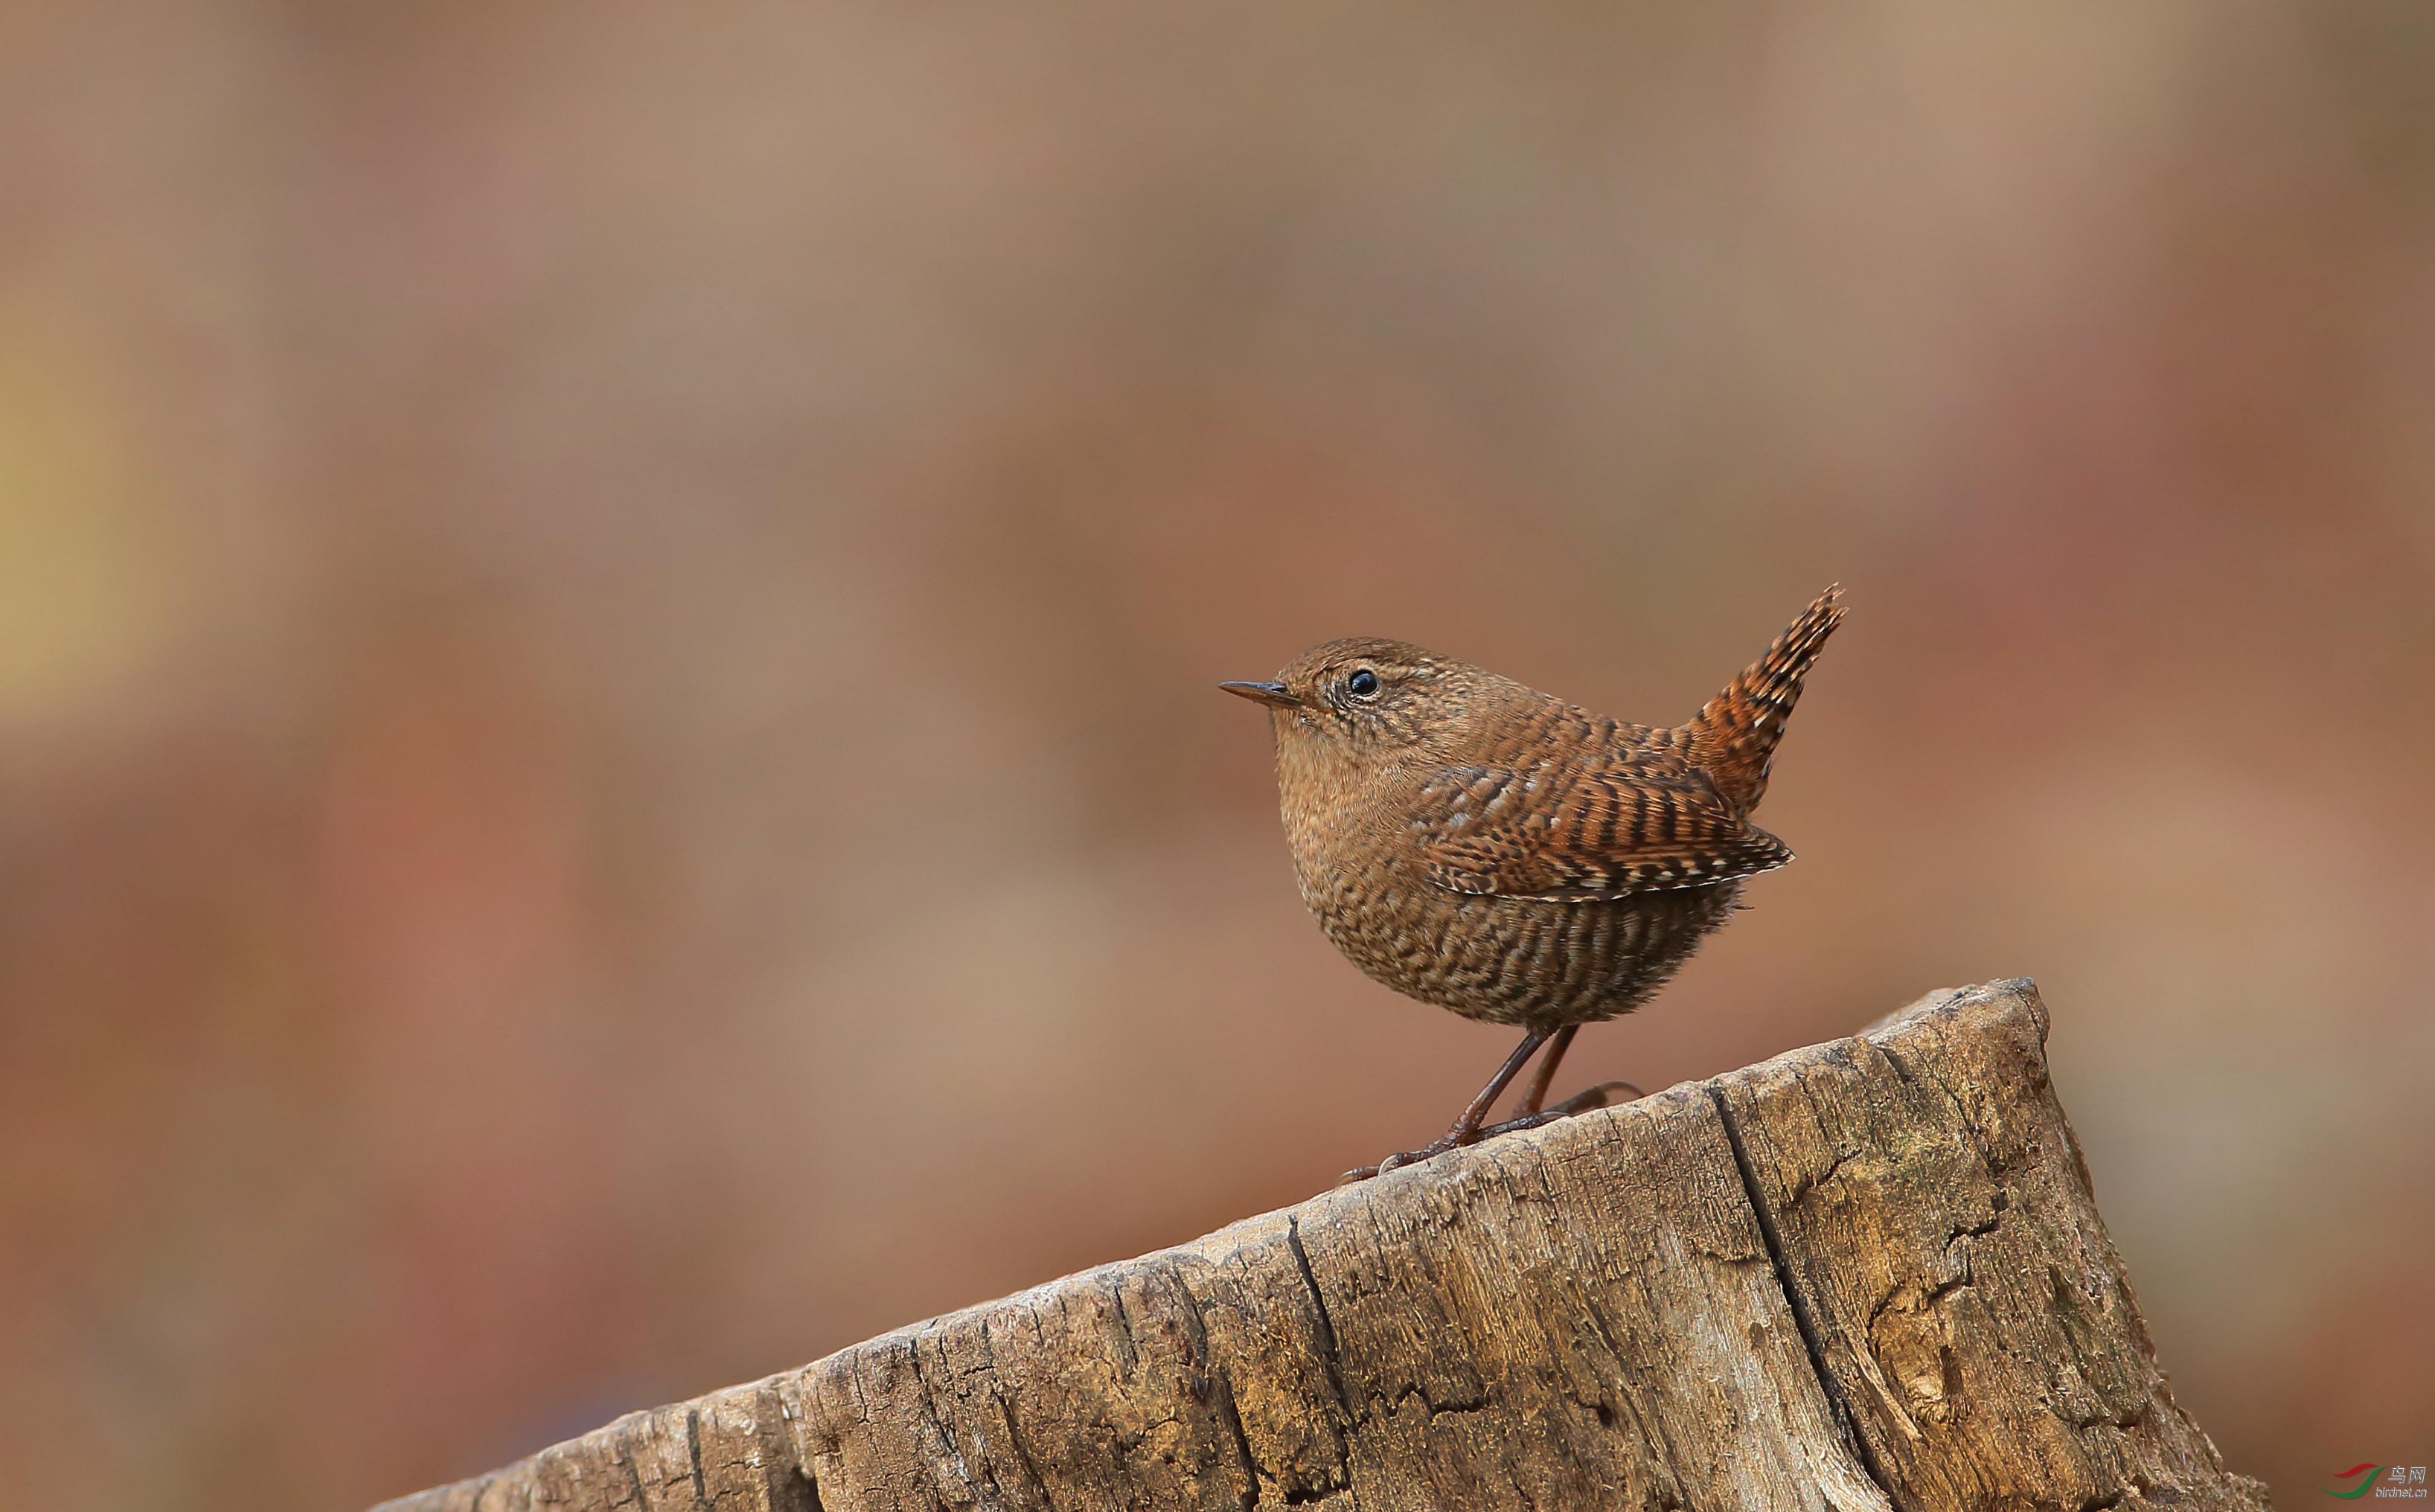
{"x":1869,"y":1274}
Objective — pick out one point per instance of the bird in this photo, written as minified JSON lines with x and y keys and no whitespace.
{"x":1498,"y":852}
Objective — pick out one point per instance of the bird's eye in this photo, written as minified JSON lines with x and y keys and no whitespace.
{"x":1362,"y":683}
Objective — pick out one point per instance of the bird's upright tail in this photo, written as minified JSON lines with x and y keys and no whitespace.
{"x":1733,"y":736}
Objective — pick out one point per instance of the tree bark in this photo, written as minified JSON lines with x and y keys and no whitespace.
{"x":1867,"y":1275}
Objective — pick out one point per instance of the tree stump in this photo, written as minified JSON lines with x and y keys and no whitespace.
{"x":1869,"y":1273}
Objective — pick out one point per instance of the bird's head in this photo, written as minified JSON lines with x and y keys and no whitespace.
{"x":1365,"y":702}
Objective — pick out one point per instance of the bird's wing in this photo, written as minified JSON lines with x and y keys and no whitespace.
{"x":1583,"y":834}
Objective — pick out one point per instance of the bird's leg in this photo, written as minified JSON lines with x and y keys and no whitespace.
{"x":1466,"y":1128}
{"x":1537,"y":1095}
{"x":1530,"y":1115}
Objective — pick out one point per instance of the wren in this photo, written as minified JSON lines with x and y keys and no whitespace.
{"x":1482,"y":846}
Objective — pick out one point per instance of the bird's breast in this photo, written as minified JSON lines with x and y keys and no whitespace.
{"x":1361,"y":866}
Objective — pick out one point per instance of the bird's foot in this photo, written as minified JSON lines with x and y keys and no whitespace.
{"x":1601,"y":1096}
{"x":1428,"y":1151}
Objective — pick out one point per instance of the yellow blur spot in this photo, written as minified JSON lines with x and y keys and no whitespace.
{"x":82,"y":603}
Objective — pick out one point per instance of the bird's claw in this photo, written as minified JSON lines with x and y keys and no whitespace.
{"x":1601,"y":1096}
{"x":1405,"y":1157}
{"x":1583,"y":1101}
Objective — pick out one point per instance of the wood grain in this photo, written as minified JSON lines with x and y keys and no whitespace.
{"x":1869,"y":1274}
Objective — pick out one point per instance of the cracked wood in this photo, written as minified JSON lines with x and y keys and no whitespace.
{"x":1867,"y":1275}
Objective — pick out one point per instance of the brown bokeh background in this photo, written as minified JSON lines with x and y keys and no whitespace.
{"x":608,"y":612}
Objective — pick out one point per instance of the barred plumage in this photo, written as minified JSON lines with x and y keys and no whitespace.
{"x":1482,"y":846}
{"x":1733,"y":737}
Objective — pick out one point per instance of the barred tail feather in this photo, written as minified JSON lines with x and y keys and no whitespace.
{"x":1734,"y":738}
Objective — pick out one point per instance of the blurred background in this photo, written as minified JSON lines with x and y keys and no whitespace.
{"x":608,"y":613}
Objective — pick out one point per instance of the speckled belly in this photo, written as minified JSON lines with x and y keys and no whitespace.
{"x":1514,"y":960}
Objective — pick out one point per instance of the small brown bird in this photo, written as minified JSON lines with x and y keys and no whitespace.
{"x":1482,"y":846}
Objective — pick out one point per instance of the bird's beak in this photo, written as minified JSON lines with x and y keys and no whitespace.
{"x":1275,"y":695}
